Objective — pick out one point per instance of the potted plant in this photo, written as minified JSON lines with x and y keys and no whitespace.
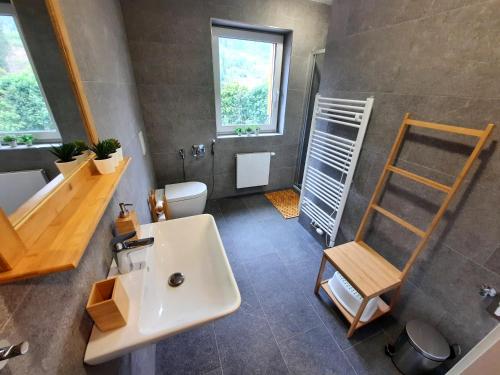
{"x":10,"y":140}
{"x":103,"y":161}
{"x":257,"y":130}
{"x":117,"y":153}
{"x":81,"y":151}
{"x":239,"y":131}
{"x":66,"y":162}
{"x":27,"y":139}
{"x":249,"y":130}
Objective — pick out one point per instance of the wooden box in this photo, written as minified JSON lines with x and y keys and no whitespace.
{"x":108,"y":304}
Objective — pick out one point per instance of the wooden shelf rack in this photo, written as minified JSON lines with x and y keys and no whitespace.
{"x":382,"y":309}
{"x":363,"y":267}
{"x":54,"y":236}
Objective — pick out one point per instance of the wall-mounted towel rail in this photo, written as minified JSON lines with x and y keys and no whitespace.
{"x":331,"y":159}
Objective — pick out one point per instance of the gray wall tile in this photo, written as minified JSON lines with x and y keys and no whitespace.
{"x":49,"y":311}
{"x":433,"y":59}
{"x":170,"y":46}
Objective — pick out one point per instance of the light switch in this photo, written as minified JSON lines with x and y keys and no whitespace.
{"x":143,"y":144}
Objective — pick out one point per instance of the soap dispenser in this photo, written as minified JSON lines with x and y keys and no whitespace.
{"x":127,"y":220}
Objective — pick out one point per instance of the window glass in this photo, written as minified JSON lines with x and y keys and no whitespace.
{"x":247,"y":73}
{"x":246,"y":81}
{"x":23,"y":108}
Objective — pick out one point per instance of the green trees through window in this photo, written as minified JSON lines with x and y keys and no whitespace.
{"x":22,"y":105}
{"x":243,"y":106}
{"x":246,"y":81}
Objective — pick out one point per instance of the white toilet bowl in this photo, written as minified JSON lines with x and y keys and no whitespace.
{"x":186,"y":198}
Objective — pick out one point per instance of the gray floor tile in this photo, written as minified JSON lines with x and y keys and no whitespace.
{"x":247,"y":346}
{"x":338,"y":326}
{"x":281,"y":325}
{"x":246,"y":244}
{"x":304,"y":273}
{"x":234,"y":210}
{"x":261,"y":209}
{"x":191,"y":352}
{"x":315,"y":352}
{"x":217,"y":371}
{"x":369,"y":357}
{"x":290,"y":314}
{"x":268,"y":274}
{"x":250,"y":303}
{"x":293,"y":244}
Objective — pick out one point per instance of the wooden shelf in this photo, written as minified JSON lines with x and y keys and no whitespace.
{"x":383,"y":308}
{"x":365,"y":269}
{"x":57,"y":234}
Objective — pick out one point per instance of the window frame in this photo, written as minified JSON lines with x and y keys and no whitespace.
{"x":250,"y":35}
{"x":40,"y":135}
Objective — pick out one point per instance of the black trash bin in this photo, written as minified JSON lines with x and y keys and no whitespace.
{"x":420,"y":349}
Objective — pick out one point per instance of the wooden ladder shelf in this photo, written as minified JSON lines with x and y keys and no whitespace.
{"x":365,"y":269}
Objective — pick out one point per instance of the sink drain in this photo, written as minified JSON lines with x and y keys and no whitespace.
{"x":176,"y":279}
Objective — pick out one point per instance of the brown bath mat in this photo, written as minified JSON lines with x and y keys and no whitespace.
{"x":285,"y":201}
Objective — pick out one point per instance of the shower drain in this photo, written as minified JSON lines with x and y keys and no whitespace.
{"x":176,"y":279}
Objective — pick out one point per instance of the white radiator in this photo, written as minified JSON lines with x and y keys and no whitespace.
{"x":252,"y":169}
{"x":331,"y":160}
{"x":17,"y":187}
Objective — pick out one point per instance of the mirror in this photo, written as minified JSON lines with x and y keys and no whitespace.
{"x":38,"y":106}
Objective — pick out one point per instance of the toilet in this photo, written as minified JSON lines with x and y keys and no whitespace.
{"x":186,"y":198}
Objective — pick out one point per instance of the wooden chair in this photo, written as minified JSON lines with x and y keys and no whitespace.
{"x":363,"y":267}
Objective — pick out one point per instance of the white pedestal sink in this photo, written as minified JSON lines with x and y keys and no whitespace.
{"x":192,"y":246}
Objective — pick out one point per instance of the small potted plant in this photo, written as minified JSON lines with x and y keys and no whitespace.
{"x":66,"y":162}
{"x":10,"y":140}
{"x":27,"y":139}
{"x":239,"y":131}
{"x":81,"y":151}
{"x":103,"y":161}
{"x":249,"y":130}
{"x":117,"y":153}
{"x":257,"y":130}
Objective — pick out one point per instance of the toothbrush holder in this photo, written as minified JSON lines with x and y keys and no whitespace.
{"x":108,"y":304}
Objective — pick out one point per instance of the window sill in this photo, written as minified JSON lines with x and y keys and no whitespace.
{"x":224,"y":136}
{"x":24,"y":147}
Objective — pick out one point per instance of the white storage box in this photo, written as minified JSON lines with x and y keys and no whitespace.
{"x":350,"y":298}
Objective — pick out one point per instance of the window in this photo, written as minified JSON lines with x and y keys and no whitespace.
{"x":247,"y":77}
{"x":23,"y":106}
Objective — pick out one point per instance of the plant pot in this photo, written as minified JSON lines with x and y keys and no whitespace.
{"x":66,"y":168}
{"x":117,"y":156}
{"x":28,"y":143}
{"x":13,"y":143}
{"x":257,"y":131}
{"x":119,"y":152}
{"x":114,"y":156}
{"x":105,"y":166}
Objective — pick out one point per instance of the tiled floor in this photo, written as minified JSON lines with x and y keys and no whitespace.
{"x":281,"y":326}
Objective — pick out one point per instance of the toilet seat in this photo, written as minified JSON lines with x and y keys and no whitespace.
{"x":184,"y":191}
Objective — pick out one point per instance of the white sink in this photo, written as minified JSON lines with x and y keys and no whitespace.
{"x":189,"y":245}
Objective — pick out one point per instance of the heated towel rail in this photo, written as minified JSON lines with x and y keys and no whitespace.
{"x":331,"y":159}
